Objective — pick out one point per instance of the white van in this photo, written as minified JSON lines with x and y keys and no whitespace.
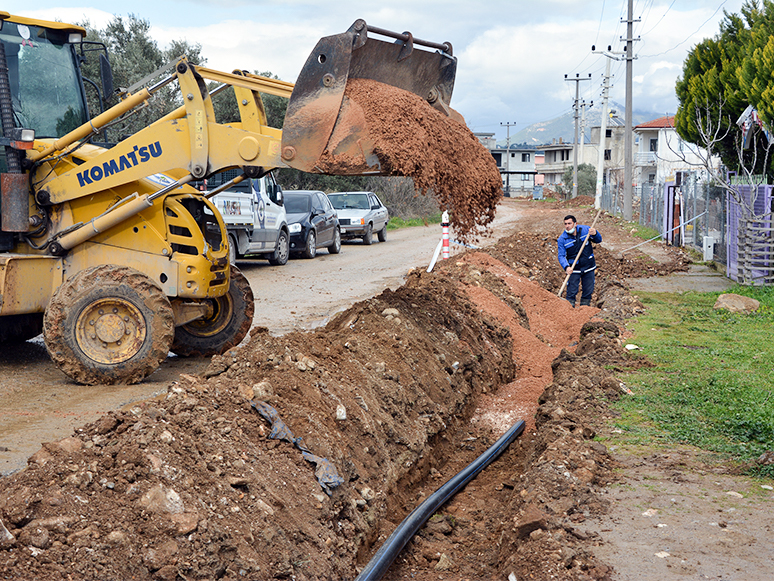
{"x":254,"y":213}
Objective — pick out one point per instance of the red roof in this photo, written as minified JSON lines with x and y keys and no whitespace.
{"x":660,"y":123}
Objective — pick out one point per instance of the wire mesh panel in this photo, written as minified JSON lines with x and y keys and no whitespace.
{"x":749,"y":242}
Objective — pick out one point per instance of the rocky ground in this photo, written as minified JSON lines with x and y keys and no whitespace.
{"x":294,"y":457}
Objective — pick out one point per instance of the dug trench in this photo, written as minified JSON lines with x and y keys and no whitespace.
{"x":398,"y":393}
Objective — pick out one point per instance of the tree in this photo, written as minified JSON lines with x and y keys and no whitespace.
{"x":587,"y":179}
{"x":722,"y":76}
{"x":133,"y":56}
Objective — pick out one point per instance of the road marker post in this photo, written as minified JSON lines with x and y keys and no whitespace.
{"x":445,"y":236}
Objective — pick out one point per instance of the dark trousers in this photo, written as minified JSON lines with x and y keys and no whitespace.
{"x":584,"y":280}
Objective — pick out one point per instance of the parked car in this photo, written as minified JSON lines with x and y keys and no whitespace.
{"x":360,"y":215}
{"x":312,"y":223}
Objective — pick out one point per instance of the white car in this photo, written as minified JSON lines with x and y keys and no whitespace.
{"x":360,"y":215}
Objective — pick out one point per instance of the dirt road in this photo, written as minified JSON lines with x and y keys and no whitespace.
{"x":40,"y":404}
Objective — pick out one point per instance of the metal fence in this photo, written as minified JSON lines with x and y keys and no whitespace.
{"x":701,"y":217}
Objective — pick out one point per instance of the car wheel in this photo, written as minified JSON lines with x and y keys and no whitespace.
{"x":382,"y":234}
{"x":310,"y":250}
{"x":281,"y":253}
{"x":335,"y":248}
{"x":368,"y":236}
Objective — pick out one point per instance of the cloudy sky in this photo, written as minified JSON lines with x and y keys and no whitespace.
{"x":513,"y":55}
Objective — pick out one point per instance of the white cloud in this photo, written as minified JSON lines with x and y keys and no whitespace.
{"x":72,"y":15}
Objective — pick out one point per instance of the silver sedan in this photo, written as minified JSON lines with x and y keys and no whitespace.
{"x":360,"y":215}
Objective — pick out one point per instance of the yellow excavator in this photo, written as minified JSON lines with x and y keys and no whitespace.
{"x":107,"y":248}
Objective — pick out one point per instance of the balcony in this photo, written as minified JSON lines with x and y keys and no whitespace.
{"x":645,"y":158}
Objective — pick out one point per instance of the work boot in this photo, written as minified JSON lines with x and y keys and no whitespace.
{"x":572,"y":303}
{"x":585,"y":303}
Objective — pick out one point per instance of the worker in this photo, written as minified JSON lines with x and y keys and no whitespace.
{"x":569,"y":244}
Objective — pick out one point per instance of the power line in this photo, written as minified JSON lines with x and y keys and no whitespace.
{"x":660,"y":19}
{"x":688,"y":37}
{"x":601,"y":16}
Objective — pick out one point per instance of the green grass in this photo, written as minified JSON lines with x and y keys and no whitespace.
{"x":396,"y":222}
{"x":713,"y":383}
{"x":643,"y":232}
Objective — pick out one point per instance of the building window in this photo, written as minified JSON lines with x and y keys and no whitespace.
{"x":525,"y":157}
{"x":513,"y":155}
{"x":654,"y":145}
{"x":608,"y":133}
{"x":608,"y":154}
{"x":651,"y":178}
{"x":525,"y":177}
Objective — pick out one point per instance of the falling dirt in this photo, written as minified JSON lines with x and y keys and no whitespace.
{"x":412,"y":139}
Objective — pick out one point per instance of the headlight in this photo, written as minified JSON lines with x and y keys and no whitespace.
{"x":357,"y":221}
{"x":294,"y":228}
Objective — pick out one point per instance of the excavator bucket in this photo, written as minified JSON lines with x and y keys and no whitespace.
{"x":320,"y":119}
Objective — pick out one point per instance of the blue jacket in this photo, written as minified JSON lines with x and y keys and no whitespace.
{"x":569,"y":244}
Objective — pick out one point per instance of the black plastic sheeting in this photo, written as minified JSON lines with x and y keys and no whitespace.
{"x":326,"y":472}
{"x":392,"y":547}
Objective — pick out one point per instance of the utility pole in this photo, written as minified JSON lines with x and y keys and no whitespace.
{"x":603,"y":129}
{"x":628,"y":144}
{"x":508,"y":158}
{"x":577,"y":81}
{"x":583,"y":127}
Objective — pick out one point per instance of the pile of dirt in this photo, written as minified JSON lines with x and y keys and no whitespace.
{"x":412,"y":139}
{"x":578,"y":201}
{"x":399,"y":393}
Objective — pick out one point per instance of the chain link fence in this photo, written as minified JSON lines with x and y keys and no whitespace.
{"x":697,"y":218}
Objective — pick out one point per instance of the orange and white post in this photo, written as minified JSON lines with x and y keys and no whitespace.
{"x":445,"y":236}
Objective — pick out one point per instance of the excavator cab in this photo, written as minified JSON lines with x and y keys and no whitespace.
{"x":43,"y":76}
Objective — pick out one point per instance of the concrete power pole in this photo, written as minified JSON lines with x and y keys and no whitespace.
{"x":584,"y":106}
{"x":628,"y":143}
{"x":603,"y":130}
{"x":508,"y":158}
{"x":577,"y":81}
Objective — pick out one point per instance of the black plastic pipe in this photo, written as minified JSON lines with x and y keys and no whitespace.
{"x":392,"y":547}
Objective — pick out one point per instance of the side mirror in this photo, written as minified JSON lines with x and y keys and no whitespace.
{"x":275,"y":193}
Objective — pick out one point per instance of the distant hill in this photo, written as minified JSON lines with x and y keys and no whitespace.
{"x":546,"y":131}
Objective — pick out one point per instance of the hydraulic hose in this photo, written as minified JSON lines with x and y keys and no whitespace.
{"x":392,"y":547}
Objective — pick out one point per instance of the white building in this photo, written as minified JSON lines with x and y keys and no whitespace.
{"x":516,"y":166}
{"x":662,"y":156}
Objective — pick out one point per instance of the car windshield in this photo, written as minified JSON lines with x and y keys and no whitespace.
{"x":349,"y":201}
{"x":297,"y":203}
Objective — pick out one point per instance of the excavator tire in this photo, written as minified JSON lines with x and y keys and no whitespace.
{"x":108,"y":324}
{"x":18,"y":328}
{"x":231,"y":318}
